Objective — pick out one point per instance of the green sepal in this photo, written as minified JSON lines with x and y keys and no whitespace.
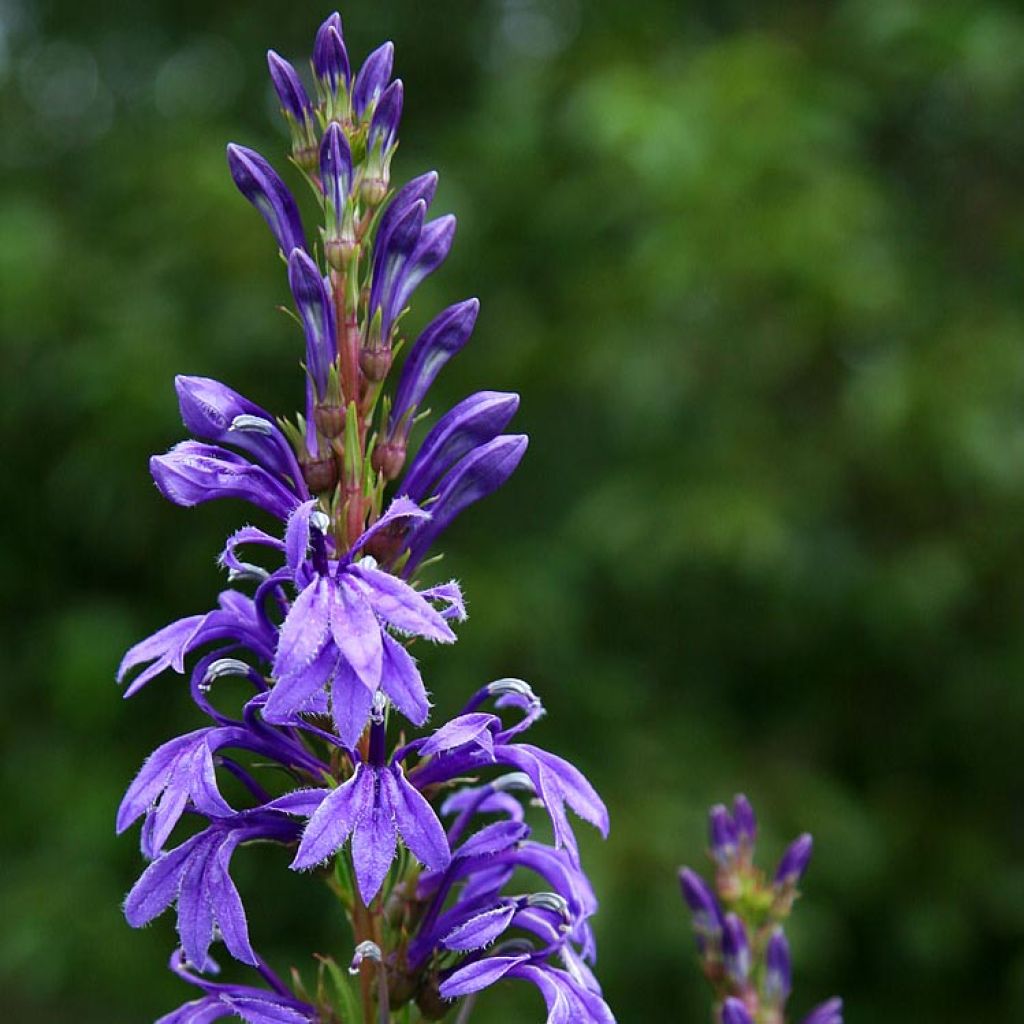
{"x":353,"y":449}
{"x":346,"y":999}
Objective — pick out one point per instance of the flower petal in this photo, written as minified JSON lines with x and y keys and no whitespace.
{"x":334,"y":819}
{"x":402,"y":682}
{"x":400,"y":605}
{"x":417,"y":822}
{"x":356,"y":632}
{"x":373,"y":844}
{"x":304,"y":630}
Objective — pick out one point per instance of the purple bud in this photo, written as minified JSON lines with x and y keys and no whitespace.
{"x":289,"y":88}
{"x":471,"y":423}
{"x":479,"y":474}
{"x":192,"y":473}
{"x":384,"y":124}
{"x":373,"y":78}
{"x":441,"y":339}
{"x":421,"y":188}
{"x":707,"y":916}
{"x":827,"y":1013}
{"x":794,"y":861}
{"x":432,"y":248}
{"x":735,"y":950}
{"x":336,"y":167}
{"x":734,"y":1012}
{"x":746,"y":821}
{"x":330,"y":58}
{"x":262,"y":186}
{"x":392,"y":248}
{"x":778,"y":974}
{"x":317,"y":313}
{"x":722,"y":834}
{"x":213,"y":412}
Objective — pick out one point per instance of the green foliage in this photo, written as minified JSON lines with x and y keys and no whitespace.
{"x":756,"y":271}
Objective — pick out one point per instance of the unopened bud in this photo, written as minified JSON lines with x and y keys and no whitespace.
{"x":330,"y":420}
{"x":374,"y":189}
{"x":320,"y":474}
{"x":388,"y":458}
{"x":375,"y":363}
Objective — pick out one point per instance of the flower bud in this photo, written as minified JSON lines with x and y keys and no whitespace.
{"x":794,"y":862}
{"x":375,"y":363}
{"x":722,"y":836}
{"x":330,"y":420}
{"x":778,"y":973}
{"x":263,"y":187}
{"x":289,"y":88}
{"x":707,"y":916}
{"x":320,"y":474}
{"x":735,"y":950}
{"x":734,"y":1012}
{"x":388,"y":458}
{"x":384,"y":123}
{"x":336,"y":169}
{"x":746,"y":822}
{"x":830,"y":1012}
{"x":330,"y":58}
{"x":316,"y":310}
{"x":372,"y":79}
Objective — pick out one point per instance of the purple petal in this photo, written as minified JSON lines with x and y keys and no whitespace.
{"x":351,"y":702}
{"x":151,"y":779}
{"x":402,"y":683}
{"x":192,"y":473}
{"x":227,"y":905}
{"x":296,"y":536}
{"x":195,"y":910}
{"x":297,"y":692}
{"x":316,"y":311}
{"x":400,"y":605}
{"x":372,"y":78}
{"x":167,"y":647}
{"x":432,"y":248}
{"x":416,"y":820}
{"x":304,"y":630}
{"x":263,"y":187}
{"x":830,"y":1012}
{"x":441,"y":339}
{"x":481,"y":929}
{"x":795,"y":860}
{"x":420,"y":189}
{"x":260,"y":1011}
{"x":479,"y":474}
{"x":334,"y":819}
{"x":497,"y":837}
{"x":473,"y":422}
{"x":580,"y":795}
{"x":400,"y":508}
{"x":735,"y":1012}
{"x":475,"y":728}
{"x":479,"y":975}
{"x":373,"y":845}
{"x":157,"y":887}
{"x":356,"y":632}
{"x":395,"y":241}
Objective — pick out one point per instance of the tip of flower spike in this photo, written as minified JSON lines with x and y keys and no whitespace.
{"x":795,"y":860}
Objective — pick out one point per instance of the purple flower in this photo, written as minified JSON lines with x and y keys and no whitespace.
{"x":745,"y":820}
{"x":336,"y":168}
{"x":289,"y":88}
{"x":335,"y":632}
{"x":794,"y":861}
{"x":213,"y":412}
{"x":707,"y":915}
{"x":195,"y":876}
{"x":375,"y":806}
{"x":372,"y":79}
{"x":262,"y":186}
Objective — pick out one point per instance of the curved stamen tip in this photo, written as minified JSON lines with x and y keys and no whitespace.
{"x":549,"y":901}
{"x":380,"y":702}
{"x":246,"y":572}
{"x":253,"y":424}
{"x":320,"y":521}
{"x":225,"y":667}
{"x":366,"y":950}
{"x":514,"y":687}
{"x":514,"y":781}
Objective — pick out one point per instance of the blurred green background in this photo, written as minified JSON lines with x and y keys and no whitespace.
{"x":756,"y":270}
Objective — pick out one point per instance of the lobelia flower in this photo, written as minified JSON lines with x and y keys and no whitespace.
{"x":738,"y":926}
{"x":437,"y":870}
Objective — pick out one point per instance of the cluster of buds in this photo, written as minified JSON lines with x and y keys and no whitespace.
{"x":738,"y":923}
